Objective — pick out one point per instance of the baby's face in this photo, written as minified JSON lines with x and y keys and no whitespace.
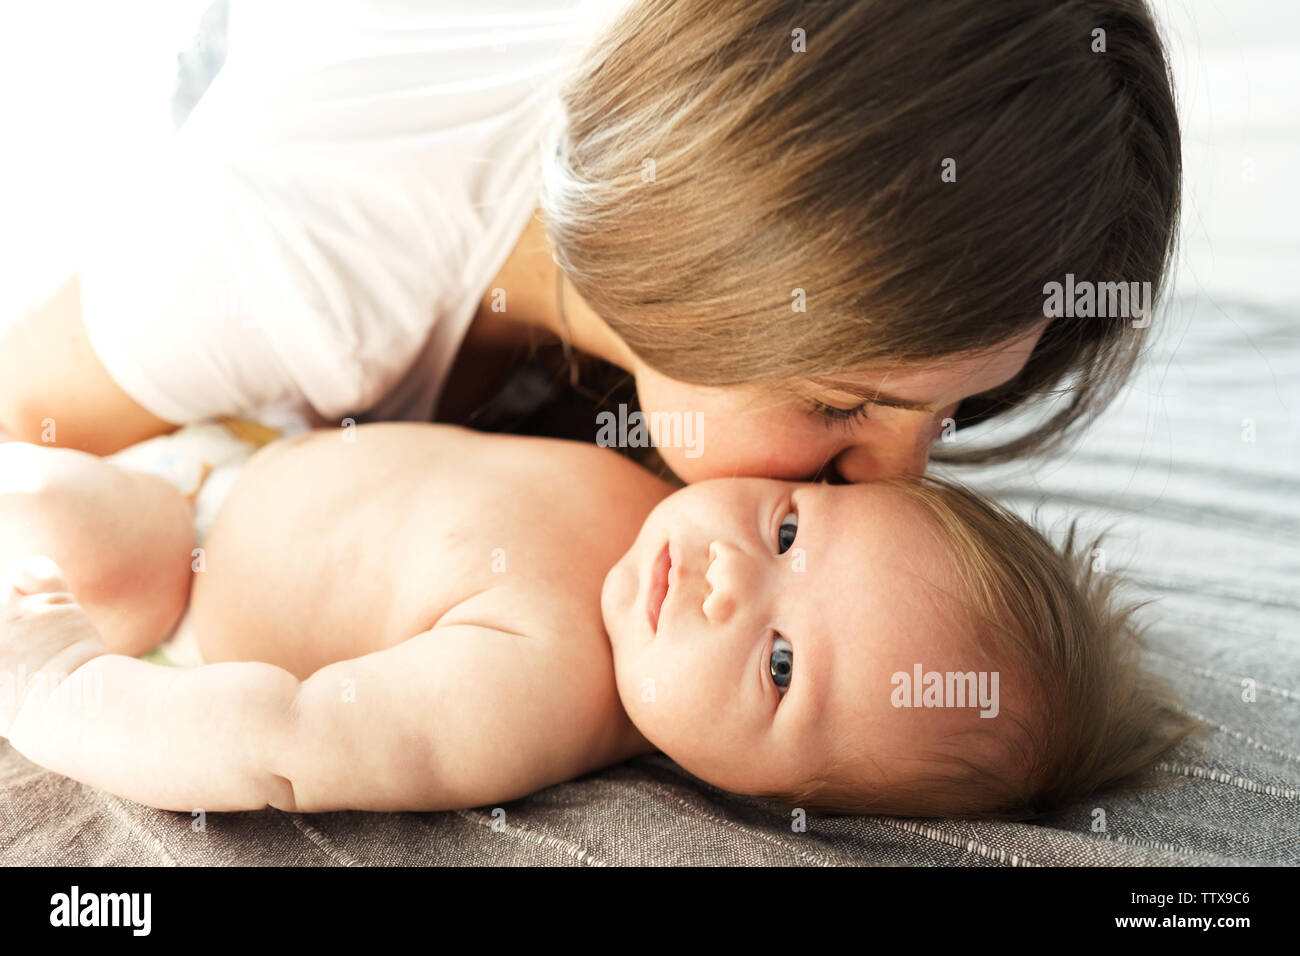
{"x":756,"y":624}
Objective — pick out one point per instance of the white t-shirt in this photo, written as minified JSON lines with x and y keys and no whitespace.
{"x":333,"y":210}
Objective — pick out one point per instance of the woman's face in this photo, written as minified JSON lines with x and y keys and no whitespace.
{"x":826,"y":428}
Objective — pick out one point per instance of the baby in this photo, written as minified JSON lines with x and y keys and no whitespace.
{"x":418,"y":617}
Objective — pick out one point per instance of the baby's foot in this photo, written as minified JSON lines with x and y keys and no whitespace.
{"x":44,"y":634}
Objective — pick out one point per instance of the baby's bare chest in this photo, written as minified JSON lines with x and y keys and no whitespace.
{"x":325,"y":554}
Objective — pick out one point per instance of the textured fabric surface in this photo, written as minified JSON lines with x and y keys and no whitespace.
{"x":1203,"y":521}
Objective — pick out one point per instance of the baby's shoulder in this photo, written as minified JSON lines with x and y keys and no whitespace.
{"x":603,"y":472}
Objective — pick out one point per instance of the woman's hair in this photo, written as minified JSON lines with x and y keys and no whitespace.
{"x":1078,"y":715}
{"x":706,"y":170}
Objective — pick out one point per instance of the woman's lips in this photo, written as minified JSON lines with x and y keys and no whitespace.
{"x":658,"y":587}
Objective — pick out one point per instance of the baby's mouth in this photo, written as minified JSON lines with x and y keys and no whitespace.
{"x":658,"y":589}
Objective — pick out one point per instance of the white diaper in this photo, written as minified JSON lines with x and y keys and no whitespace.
{"x":202,"y":461}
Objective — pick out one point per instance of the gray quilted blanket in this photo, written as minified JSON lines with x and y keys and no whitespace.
{"x":1203,"y":520}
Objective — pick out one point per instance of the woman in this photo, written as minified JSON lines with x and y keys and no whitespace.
{"x":825,"y":230}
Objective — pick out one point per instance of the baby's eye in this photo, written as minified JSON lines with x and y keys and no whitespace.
{"x":781,"y":663}
{"x":785,"y":535}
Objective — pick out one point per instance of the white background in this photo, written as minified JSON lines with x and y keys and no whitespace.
{"x":85,"y":90}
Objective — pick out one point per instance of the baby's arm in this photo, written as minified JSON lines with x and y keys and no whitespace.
{"x":458,"y":716}
{"x":174,"y":738}
{"x":454,"y":717}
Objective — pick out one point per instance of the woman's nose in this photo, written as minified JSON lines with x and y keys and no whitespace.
{"x":905,"y":452}
{"x":720,"y":603}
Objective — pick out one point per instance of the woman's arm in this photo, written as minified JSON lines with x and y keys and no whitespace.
{"x":55,"y":391}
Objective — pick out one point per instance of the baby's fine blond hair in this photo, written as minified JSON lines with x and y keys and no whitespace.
{"x":1081,"y":715}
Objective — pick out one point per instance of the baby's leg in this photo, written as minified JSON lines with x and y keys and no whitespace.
{"x":123,"y":538}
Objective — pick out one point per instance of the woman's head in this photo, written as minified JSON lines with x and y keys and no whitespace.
{"x":764,"y":221}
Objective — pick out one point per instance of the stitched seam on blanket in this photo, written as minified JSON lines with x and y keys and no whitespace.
{"x":1218,"y":776}
{"x":936,"y":835}
{"x":341,"y":857}
{"x":1088,"y":837}
{"x":1220,"y":473}
{"x":531,"y":836}
{"x":1241,"y":736}
{"x":120,"y":810}
{"x":1219,"y":675}
{"x":752,"y":834}
{"x":1174,"y":511}
{"x":1154,"y":845}
{"x":1226,"y":621}
{"x":764,"y":806}
{"x":1208,"y":589}
{"x":1178,"y":512}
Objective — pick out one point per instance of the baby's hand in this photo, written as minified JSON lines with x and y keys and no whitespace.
{"x":45,"y":635}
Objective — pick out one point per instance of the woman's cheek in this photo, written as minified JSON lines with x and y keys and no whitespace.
{"x":781,"y":453}
{"x":753,"y":449}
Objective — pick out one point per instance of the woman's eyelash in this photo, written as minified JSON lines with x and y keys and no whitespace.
{"x":846,"y":417}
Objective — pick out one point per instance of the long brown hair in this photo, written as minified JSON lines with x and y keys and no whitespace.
{"x":706,"y":170}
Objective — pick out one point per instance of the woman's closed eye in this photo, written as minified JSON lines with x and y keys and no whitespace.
{"x":780,"y":663}
{"x":846,"y":418}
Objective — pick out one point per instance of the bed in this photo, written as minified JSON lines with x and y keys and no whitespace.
{"x":1203,"y":519}
{"x":1195,"y":471}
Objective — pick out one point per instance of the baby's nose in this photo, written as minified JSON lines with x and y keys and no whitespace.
{"x":720,"y":602}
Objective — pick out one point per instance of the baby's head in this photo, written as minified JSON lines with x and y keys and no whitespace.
{"x":899,"y":647}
